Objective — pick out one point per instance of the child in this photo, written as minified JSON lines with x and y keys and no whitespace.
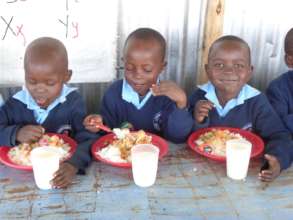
{"x":46,"y":104}
{"x":280,"y":90}
{"x":227,"y":100}
{"x":140,"y":99}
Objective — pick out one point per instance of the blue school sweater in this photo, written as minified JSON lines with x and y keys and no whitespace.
{"x":65,"y":117}
{"x":255,"y":114}
{"x":280,"y":94}
{"x":159,"y":115}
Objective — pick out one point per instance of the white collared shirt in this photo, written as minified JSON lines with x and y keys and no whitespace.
{"x":245,"y":93}
{"x":41,"y":114}
{"x":131,"y":96}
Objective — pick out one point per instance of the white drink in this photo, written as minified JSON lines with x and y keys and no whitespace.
{"x":237,"y":158}
{"x":45,"y":161}
{"x":144,"y":164}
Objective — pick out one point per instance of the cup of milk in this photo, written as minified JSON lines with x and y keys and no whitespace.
{"x":45,"y":162}
{"x":144,"y":159}
{"x":237,"y":158}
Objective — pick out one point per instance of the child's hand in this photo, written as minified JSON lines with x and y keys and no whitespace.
{"x":64,"y":176}
{"x":273,"y":170}
{"x":29,"y":133}
{"x":170,"y":89}
{"x":92,"y":122}
{"x":201,"y":110}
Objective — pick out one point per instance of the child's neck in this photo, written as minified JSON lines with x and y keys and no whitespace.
{"x":223,"y":97}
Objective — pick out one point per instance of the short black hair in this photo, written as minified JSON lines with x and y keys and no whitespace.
{"x":231,"y":38}
{"x":51,"y":48}
{"x":288,"y":44}
{"x":148,"y":34}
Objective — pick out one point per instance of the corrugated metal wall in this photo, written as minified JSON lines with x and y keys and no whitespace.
{"x":263,"y":24}
{"x":181,"y":22}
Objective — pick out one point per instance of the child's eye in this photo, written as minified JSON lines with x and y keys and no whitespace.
{"x":238,"y":66}
{"x":219,"y":65}
{"x":32,"y":82}
{"x":148,"y":70}
{"x":50,"y":83}
{"x":129,"y":67}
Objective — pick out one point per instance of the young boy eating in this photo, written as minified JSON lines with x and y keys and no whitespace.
{"x":46,"y":104}
{"x":227,"y":100}
{"x":140,"y":98}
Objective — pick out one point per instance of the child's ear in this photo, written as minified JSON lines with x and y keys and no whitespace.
{"x":68,"y":76}
{"x":289,"y":60}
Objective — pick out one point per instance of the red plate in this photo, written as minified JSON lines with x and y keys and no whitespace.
{"x":108,"y":138}
{"x":5,"y":159}
{"x":257,"y":142}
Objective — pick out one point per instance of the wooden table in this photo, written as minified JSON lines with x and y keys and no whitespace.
{"x":188,"y":186}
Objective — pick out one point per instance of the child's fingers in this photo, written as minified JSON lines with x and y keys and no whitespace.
{"x":266,"y":178}
{"x":203,"y":112}
{"x":205,"y":104}
{"x":61,"y":183}
{"x":266,"y":175}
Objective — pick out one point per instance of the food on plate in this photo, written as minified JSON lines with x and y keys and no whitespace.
{"x":120,"y":149}
{"x":20,"y":154}
{"x":214,"y":141}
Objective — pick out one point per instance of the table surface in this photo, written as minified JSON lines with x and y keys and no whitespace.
{"x":188,"y":186}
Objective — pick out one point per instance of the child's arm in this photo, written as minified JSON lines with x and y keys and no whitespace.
{"x":279,"y":98}
{"x":170,"y":89}
{"x":12,"y":132}
{"x":270,"y":127}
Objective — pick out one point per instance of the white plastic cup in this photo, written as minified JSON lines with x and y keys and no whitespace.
{"x":237,"y":158}
{"x":144,"y":159}
{"x":45,"y":162}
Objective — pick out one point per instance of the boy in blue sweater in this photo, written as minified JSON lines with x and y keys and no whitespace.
{"x":227,"y":100}
{"x":139,"y":98}
{"x":46,"y":104}
{"x":280,"y":90}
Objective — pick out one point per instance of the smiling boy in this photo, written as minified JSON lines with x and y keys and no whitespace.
{"x":227,"y":100}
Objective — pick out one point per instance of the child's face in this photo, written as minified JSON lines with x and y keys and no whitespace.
{"x":229,"y":67}
{"x":143,"y":62}
{"x":289,"y":59}
{"x":45,"y":81}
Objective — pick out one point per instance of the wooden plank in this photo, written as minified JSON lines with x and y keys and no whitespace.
{"x":213,"y":29}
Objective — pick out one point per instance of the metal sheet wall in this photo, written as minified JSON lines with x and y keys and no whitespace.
{"x":263,"y":24}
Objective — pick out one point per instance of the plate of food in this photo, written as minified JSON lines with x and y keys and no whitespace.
{"x":115,"y":148}
{"x":19,"y":156}
{"x":211,"y":142}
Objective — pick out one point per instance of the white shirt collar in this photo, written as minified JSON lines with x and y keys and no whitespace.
{"x":245,"y":93}
{"x":39,"y":113}
{"x":131,"y":96}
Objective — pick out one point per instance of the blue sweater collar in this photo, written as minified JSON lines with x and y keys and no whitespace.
{"x":245,"y":93}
